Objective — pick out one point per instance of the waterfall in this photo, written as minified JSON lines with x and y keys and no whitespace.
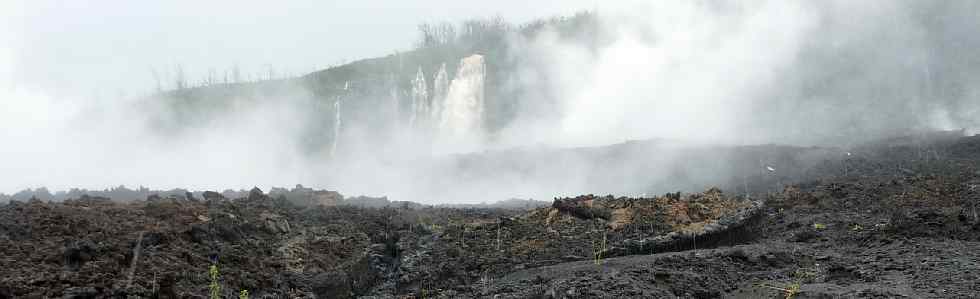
{"x":420,"y":101}
{"x":461,"y":113}
{"x":336,"y":127}
{"x":337,"y":123}
{"x":440,"y":87}
{"x":395,"y":100}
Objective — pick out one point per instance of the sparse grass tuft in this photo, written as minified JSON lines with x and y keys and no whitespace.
{"x":792,"y":289}
{"x":214,"y":288}
{"x":598,"y":248}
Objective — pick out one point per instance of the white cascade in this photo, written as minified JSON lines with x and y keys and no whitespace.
{"x":420,"y":101}
{"x":337,"y":121}
{"x":395,"y":101}
{"x":440,"y":87}
{"x":462,"y":112}
{"x":336,"y":128}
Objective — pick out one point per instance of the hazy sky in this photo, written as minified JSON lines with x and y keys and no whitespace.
{"x":104,"y":47}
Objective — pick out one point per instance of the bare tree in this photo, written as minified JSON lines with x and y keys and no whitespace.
{"x":210,"y":80}
{"x":156,"y":79}
{"x":236,"y":74}
{"x":180,"y":82}
{"x":426,"y":36}
{"x":484,"y":30}
{"x":436,"y":35}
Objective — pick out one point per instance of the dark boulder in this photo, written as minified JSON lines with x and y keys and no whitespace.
{"x":211,"y":195}
{"x":333,"y":284}
{"x":805,"y":236}
{"x":77,"y":253}
{"x":167,"y":287}
{"x":6,"y":293}
{"x":80,"y":293}
{"x":153,"y":239}
{"x":256,"y":194}
{"x":584,"y":207}
{"x":198,"y":233}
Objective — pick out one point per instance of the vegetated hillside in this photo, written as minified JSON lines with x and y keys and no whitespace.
{"x":370,"y":86}
{"x":817,"y":86}
{"x":900,"y":221}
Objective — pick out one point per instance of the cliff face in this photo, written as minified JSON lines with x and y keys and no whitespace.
{"x":379,"y":97}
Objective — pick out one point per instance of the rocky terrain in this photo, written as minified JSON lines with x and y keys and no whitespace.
{"x":894,"y":218}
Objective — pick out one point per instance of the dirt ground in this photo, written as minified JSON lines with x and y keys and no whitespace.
{"x":895,"y":218}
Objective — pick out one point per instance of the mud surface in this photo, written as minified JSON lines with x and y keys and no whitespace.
{"x":896,"y":218}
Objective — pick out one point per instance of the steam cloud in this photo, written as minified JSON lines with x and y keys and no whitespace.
{"x":824,"y":73}
{"x":776,"y":71}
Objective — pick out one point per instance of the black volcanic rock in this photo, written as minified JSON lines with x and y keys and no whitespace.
{"x":211,"y":195}
{"x":876,"y":232}
{"x":256,"y":194}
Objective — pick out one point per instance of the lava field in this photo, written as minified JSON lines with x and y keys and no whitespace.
{"x":896,"y":218}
